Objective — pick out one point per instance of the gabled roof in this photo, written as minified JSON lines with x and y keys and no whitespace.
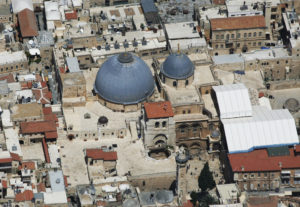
{"x":258,"y":160}
{"x":99,"y":154}
{"x":158,"y":110}
{"x":27,"y":165}
{"x":232,"y":23}
{"x":27,"y":22}
{"x":51,"y":135}
{"x":37,"y":127}
{"x":27,"y":195}
{"x":71,"y":15}
{"x":15,"y":157}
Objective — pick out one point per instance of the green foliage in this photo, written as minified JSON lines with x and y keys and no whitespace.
{"x":206,"y":180}
{"x":38,"y":60}
{"x":203,"y":199}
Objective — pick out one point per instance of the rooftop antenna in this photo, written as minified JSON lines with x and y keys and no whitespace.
{"x":178,"y":48}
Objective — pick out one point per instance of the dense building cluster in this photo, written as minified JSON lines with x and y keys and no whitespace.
{"x":147,"y":103}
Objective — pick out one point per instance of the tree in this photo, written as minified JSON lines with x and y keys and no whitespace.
{"x":206,"y":180}
{"x":202,"y":199}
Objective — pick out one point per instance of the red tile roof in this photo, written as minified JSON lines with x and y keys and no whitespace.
{"x":99,"y":154}
{"x":231,"y":23}
{"x":66,"y":181}
{"x":71,"y":15}
{"x":4,"y":183}
{"x":62,"y":70}
{"x":27,"y":22}
{"x":258,"y":160}
{"x":9,"y":78}
{"x":219,"y":2}
{"x":51,"y":135}
{"x":188,"y":204}
{"x":158,"y":110}
{"x":51,"y":117}
{"x":47,"y":110}
{"x":41,"y":187}
{"x":27,"y":195}
{"x":5,"y":160}
{"x":28,"y":165}
{"x":46,"y":152}
{"x":15,"y":157}
{"x":37,"y":127}
{"x":297,"y":148}
{"x":42,"y":95}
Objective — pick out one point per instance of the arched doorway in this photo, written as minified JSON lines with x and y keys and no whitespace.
{"x":160,"y":141}
{"x":195,"y":149}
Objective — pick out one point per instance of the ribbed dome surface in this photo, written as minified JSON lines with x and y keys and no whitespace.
{"x":177,"y":66}
{"x":124,"y":79}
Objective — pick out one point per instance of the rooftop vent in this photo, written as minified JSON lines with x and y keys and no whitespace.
{"x":117,"y":45}
{"x":126,"y":45}
{"x":135,"y":43}
{"x":144,"y":41}
{"x":107,"y":46}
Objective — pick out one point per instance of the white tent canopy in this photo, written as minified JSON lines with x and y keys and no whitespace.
{"x":259,"y":128}
{"x":265,"y":128}
{"x":19,"y":5}
{"x":233,"y":100}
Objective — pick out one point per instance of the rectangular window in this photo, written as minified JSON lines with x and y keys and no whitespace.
{"x":249,"y":34}
{"x":238,"y":35}
{"x":245,"y":34}
{"x":232,"y":36}
{"x":217,"y":37}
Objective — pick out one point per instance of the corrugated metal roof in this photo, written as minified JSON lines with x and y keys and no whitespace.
{"x":73,"y":64}
{"x":148,"y":6}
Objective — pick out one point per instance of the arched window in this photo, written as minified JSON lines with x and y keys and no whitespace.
{"x":174,"y":83}
{"x":186,"y":82}
{"x":164,"y":124}
{"x":156,"y":124}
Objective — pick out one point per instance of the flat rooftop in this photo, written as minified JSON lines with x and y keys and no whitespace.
{"x":131,"y":157}
{"x":26,"y":110}
{"x":188,"y":5}
{"x":75,"y":117}
{"x":183,"y":96}
{"x":182,"y":30}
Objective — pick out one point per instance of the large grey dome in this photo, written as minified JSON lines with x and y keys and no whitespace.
{"x":124,"y":79}
{"x":177,"y":66}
